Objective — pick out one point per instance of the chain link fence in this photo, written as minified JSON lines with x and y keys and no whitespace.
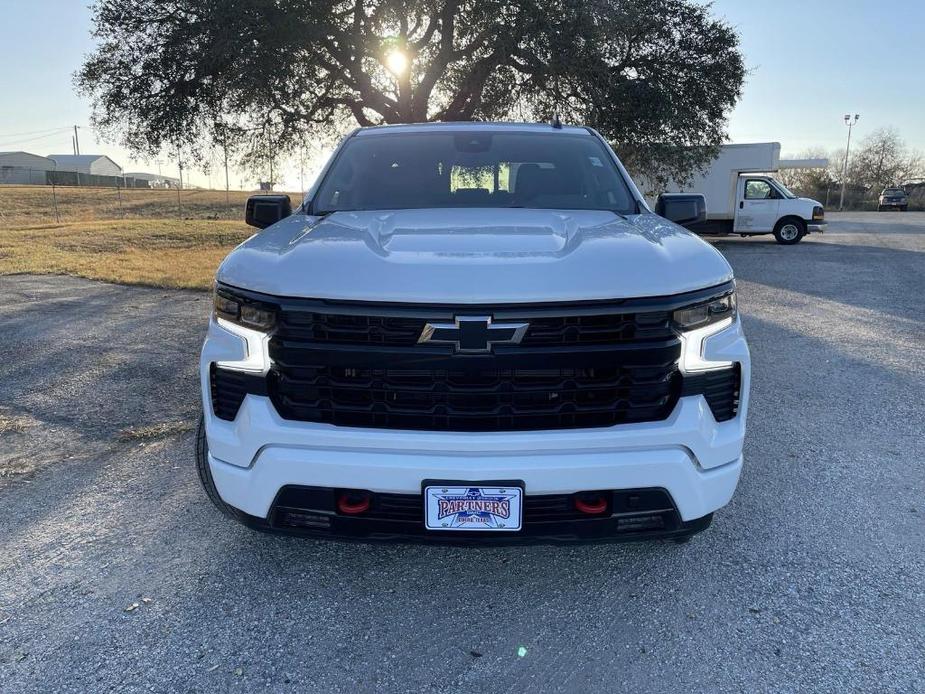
{"x":858,"y":198}
{"x":30,"y":205}
{"x":19,"y":175}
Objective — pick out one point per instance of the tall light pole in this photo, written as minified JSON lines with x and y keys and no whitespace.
{"x":844,"y":173}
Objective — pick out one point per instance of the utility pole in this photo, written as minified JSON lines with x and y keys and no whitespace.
{"x":844,"y":173}
{"x":179,"y":187}
{"x":227,"y":185}
{"x":54,"y":193}
{"x":76,"y":141}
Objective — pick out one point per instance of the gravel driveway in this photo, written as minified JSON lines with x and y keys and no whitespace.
{"x":117,"y":575}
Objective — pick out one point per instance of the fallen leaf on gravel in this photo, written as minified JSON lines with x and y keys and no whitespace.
{"x":19,"y":655}
{"x":10,"y":422}
{"x":132,"y":607}
{"x":238,"y":671}
{"x":213,"y":668}
{"x":147,"y":600}
{"x":475,"y":654}
{"x":155,"y":431}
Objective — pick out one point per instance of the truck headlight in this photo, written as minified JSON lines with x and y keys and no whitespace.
{"x":698,"y":322}
{"x":242,"y":311}
{"x":707,"y":313}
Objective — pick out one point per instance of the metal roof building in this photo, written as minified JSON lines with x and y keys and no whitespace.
{"x":24,"y":168}
{"x":155,"y":180}
{"x":26,"y":160}
{"x":95,"y":164}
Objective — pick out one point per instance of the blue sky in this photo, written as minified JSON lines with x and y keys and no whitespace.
{"x":810,"y":63}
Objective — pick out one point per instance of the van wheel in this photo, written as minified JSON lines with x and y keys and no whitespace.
{"x":205,"y":476}
{"x":790,"y":231}
{"x":903,"y":208}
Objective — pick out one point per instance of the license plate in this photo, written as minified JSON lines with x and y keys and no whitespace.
{"x":472,"y":507}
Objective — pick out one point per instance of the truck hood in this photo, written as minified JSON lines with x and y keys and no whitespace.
{"x":474,"y":256}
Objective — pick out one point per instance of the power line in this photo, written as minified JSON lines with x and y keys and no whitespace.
{"x":16,"y":143}
{"x":35,"y":132}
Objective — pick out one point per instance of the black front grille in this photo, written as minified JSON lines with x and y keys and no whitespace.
{"x":396,"y":331}
{"x":347,"y":329}
{"x":478,"y":400}
{"x":589,"y":364}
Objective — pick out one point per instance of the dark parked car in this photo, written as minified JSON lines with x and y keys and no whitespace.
{"x":893,"y":198}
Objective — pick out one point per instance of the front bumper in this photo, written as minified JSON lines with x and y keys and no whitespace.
{"x":694,"y":458}
{"x":311,"y":511}
{"x":816,"y":226}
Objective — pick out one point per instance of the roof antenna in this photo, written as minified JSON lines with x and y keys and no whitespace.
{"x":555,"y":122}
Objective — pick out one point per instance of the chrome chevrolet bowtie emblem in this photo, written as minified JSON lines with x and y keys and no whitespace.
{"x":473,"y":334}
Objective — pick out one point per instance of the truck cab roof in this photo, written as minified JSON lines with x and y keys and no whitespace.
{"x":470,"y":125}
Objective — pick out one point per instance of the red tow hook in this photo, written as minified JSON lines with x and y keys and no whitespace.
{"x":353,"y":503}
{"x":591,"y":504}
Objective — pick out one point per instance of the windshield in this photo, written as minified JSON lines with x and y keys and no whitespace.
{"x":893,"y":191}
{"x":784,"y":190}
{"x":476,"y":168}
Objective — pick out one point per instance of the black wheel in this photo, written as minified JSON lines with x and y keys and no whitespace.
{"x":903,"y":208}
{"x":789,"y":231}
{"x":682,"y":540}
{"x":205,"y":476}
{"x":879,"y":208}
{"x":743,"y":235}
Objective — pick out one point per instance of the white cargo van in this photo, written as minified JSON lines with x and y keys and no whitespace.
{"x":742,"y":196}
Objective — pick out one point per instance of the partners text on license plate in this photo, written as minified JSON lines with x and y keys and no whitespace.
{"x":456,"y":507}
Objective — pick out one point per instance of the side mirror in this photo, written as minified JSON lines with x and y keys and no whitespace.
{"x":686,"y":209}
{"x":263,"y":210}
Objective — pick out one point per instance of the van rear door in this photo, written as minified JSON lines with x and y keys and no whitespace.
{"x":757,"y":206}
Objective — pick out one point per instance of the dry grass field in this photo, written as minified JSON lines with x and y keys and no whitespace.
{"x":142,"y":241}
{"x":157,"y":252}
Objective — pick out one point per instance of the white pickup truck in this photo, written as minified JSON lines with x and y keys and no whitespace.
{"x":743,"y":198}
{"x":474,"y":333}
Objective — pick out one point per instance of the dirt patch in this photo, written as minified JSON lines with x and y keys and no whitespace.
{"x":153,"y":432}
{"x":11,"y":423}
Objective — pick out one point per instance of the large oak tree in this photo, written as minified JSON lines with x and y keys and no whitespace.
{"x":656,"y":77}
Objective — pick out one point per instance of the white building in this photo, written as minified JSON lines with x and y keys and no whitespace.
{"x":91,"y":164}
{"x":24,"y":168}
{"x":155,"y":180}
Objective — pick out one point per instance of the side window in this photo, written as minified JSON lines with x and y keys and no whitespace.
{"x":758,"y":190}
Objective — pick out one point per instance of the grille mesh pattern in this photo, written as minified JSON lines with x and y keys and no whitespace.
{"x":397,"y":331}
{"x":588,"y":366}
{"x":486,"y":400}
{"x":228,"y":391}
{"x":721,"y":389}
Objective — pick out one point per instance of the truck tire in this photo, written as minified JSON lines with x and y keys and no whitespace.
{"x":789,"y":231}
{"x":205,"y":476}
{"x":879,"y":208}
{"x":903,"y":208}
